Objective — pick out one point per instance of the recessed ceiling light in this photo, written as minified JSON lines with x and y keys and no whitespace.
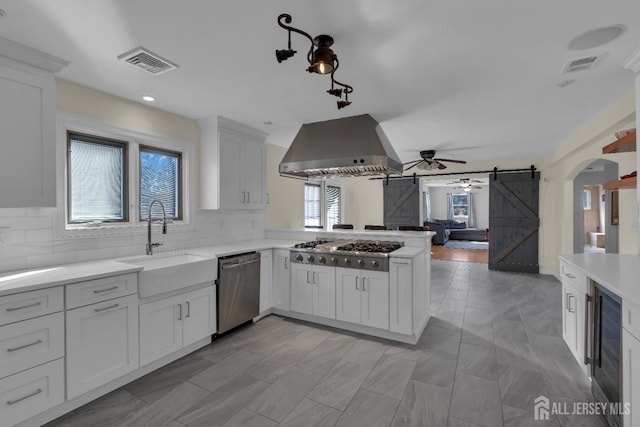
{"x":2,"y":13}
{"x":148,"y":98}
{"x":597,"y":37}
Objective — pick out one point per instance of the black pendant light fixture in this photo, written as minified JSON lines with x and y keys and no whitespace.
{"x":322,"y":60}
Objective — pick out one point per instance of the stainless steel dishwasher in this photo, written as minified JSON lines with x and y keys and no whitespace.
{"x":238,"y":290}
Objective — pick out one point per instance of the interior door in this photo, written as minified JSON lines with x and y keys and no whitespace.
{"x":401,"y":202}
{"x":514,"y":222}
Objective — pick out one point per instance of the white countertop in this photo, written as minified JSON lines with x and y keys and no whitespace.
{"x":29,"y":280}
{"x":618,"y":273}
{"x":363,"y":234}
{"x":47,"y":277}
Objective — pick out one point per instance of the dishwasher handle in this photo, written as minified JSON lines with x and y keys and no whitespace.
{"x":238,"y":265}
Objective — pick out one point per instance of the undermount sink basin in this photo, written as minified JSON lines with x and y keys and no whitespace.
{"x":168,"y":273}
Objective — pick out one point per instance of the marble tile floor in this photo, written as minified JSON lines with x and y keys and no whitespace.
{"x":492,"y":346}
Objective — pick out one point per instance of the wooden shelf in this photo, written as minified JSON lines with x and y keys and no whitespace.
{"x":625,"y":144}
{"x":623,"y":183}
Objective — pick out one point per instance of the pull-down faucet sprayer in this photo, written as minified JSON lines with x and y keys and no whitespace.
{"x":149,"y":220}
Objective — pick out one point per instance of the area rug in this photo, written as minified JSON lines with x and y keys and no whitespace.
{"x":466,"y":244}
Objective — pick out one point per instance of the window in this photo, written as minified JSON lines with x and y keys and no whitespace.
{"x":97,"y":179}
{"x":160,"y":179}
{"x":460,"y":205}
{"x":112,"y":175}
{"x":586,"y":200}
{"x":323,"y":206}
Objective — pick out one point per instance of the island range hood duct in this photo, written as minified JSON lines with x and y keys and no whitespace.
{"x":352,"y":146}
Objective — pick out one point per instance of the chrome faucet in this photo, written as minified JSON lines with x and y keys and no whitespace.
{"x":164,"y":226}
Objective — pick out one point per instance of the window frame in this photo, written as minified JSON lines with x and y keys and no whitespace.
{"x":125,"y":190}
{"x":324,"y":183}
{"x":458,"y":217}
{"x":586,"y":199}
{"x":80,"y":125}
{"x":155,"y":150}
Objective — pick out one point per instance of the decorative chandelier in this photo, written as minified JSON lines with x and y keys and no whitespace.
{"x":321,"y":59}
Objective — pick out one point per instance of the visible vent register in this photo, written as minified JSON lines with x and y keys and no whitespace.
{"x":581,"y":64}
{"x":148,"y":61}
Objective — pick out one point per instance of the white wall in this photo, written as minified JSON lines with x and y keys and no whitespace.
{"x":31,"y":240}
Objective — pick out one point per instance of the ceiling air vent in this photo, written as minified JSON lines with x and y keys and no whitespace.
{"x":148,"y":61}
{"x":581,"y":64}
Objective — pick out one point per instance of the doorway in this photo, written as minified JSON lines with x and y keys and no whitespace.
{"x":594,"y":229}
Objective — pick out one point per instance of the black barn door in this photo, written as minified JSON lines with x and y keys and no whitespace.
{"x":514,"y":222}
{"x":401,"y":202}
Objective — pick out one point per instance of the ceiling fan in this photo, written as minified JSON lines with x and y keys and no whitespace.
{"x":429,"y":162}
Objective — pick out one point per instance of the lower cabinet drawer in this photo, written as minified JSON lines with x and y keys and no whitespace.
{"x":29,"y":343}
{"x":27,"y":305}
{"x":98,"y":290}
{"x":30,"y":392}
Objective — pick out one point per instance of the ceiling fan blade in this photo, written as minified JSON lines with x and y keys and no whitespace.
{"x":451,"y":160}
{"x":412,"y":161}
{"x":441,"y":166}
{"x":476,"y":180}
{"x":413,"y":165}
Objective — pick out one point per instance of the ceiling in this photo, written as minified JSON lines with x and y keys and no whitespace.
{"x":475,"y":80}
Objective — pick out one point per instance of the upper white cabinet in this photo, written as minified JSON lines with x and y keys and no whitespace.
{"x":233,"y":165}
{"x":27,"y":120}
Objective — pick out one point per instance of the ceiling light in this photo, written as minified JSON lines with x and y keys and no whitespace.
{"x":597,"y":37}
{"x":322,"y":60}
{"x":2,"y":13}
{"x":148,"y":98}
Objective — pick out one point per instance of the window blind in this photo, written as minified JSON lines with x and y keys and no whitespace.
{"x":159,"y":179}
{"x":312,"y":205}
{"x":333,"y":206}
{"x":96,"y":179}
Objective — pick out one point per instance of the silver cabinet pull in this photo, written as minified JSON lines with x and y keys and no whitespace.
{"x":188,"y":309}
{"x":179,"y":311}
{"x":20,"y":399}
{"x":24,"y":346}
{"x":99,"y":291}
{"x":572,"y":309}
{"x":248,"y":196}
{"x":97,"y":310}
{"x":357,"y":283}
{"x":570,"y":276}
{"x":308,"y":276}
{"x":35,"y":304}
{"x":286,"y":263}
{"x":363,"y":288}
{"x":315,"y":281}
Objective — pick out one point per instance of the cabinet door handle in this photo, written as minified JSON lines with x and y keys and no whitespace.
{"x":363,"y":288}
{"x":24,"y":346}
{"x":97,"y":310}
{"x":357,"y":283}
{"x":286,"y":263}
{"x":99,"y":291}
{"x":248,"y":197}
{"x":315,"y":281}
{"x":179,"y":311}
{"x":188,"y":309}
{"x":570,"y":276}
{"x":267,"y":198}
{"x":571,"y":308}
{"x":308,"y":276}
{"x":20,"y":399}
{"x":35,"y":304}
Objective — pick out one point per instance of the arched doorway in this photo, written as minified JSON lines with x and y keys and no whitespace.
{"x":592,"y":225}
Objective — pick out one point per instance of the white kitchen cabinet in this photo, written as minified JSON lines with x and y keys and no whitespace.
{"x":233,"y":165}
{"x":266,"y":280}
{"x":574,"y":289}
{"x":27,"y":120}
{"x":362,"y":297}
{"x":400,"y":296}
{"x":281,"y":279}
{"x":169,"y":324}
{"x":102,"y":343}
{"x":30,"y":392}
{"x":631,"y":378}
{"x":313,"y":290}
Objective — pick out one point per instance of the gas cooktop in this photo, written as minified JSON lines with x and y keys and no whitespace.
{"x":365,"y":254}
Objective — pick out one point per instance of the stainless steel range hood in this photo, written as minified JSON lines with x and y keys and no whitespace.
{"x":353,"y":146}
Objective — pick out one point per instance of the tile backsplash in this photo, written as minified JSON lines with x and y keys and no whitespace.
{"x":27,"y":237}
